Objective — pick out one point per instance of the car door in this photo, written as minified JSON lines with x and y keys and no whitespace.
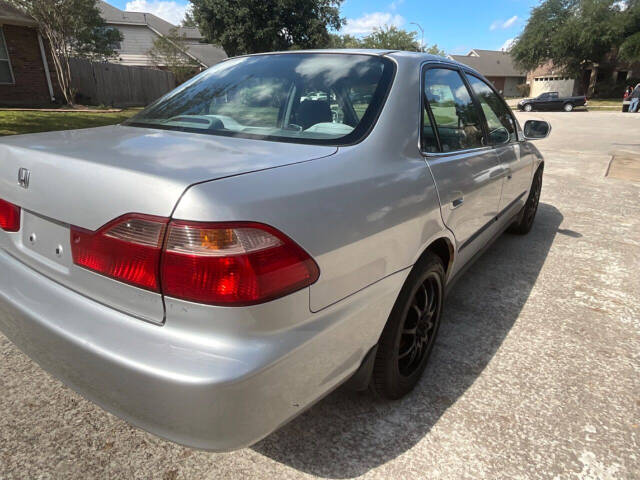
{"x":503,"y":136}
{"x":542,"y":102}
{"x":465,"y":168}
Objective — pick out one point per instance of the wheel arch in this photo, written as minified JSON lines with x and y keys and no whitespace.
{"x":443,"y":248}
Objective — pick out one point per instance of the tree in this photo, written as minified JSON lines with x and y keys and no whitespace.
{"x":386,"y":38}
{"x":170,"y":52}
{"x":73,"y":28}
{"x":434,"y":50}
{"x":630,"y":47}
{"x":343,"y":41}
{"x":188,"y":20}
{"x":253,"y":26}
{"x":392,"y":38}
{"x":574,"y":34}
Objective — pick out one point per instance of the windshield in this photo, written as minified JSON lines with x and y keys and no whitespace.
{"x":317,"y":98}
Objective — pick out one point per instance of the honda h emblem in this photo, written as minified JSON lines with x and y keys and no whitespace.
{"x":23,"y":177}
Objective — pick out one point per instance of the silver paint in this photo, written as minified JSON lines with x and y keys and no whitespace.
{"x":219,"y":377}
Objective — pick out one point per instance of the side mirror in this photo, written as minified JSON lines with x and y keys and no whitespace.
{"x":536,"y":129}
{"x":499,"y":136}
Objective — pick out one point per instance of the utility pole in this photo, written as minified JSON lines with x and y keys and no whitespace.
{"x":421,"y":35}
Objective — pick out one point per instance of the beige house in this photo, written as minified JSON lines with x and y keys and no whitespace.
{"x":548,"y":80}
{"x":498,"y":67}
{"x":139,"y":30}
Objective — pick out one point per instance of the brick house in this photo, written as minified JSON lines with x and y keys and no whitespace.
{"x":548,"y":78}
{"x":27,"y":76}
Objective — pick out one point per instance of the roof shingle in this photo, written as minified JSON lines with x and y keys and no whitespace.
{"x":12,"y":16}
{"x":490,"y":63}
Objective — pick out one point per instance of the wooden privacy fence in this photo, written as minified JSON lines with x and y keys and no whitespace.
{"x":118,"y":85}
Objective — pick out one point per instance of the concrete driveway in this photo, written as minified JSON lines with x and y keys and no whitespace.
{"x":536,"y":373}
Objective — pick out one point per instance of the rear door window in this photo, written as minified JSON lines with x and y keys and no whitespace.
{"x":449,"y":102}
{"x":500,"y":123}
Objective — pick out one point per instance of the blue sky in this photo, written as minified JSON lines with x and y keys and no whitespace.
{"x":456,"y":26}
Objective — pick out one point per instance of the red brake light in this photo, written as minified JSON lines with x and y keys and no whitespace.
{"x":127,"y":249}
{"x":232,"y":264}
{"x":9,"y":216}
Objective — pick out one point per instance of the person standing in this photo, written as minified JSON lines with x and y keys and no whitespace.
{"x":635,"y":99}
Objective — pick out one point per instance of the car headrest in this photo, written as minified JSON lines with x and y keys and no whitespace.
{"x":311,"y":112}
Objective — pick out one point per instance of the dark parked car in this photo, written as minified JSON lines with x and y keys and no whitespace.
{"x":552,"y":101}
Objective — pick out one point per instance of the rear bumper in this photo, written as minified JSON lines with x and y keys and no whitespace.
{"x":209,"y":391}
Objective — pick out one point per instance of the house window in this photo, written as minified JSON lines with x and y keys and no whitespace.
{"x":6,"y":74}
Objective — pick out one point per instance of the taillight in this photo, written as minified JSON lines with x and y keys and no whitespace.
{"x":9,"y":216}
{"x":232,"y":264}
{"x":127,"y":249}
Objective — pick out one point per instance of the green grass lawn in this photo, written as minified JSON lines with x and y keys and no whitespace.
{"x":16,"y":122}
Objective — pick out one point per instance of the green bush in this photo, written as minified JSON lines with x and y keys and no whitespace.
{"x":613,"y":89}
{"x":523,"y":89}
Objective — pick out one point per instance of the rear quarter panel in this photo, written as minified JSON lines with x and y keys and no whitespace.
{"x":364,"y":213}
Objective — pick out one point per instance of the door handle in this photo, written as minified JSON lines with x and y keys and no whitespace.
{"x":456,"y":203}
{"x":509,"y":176}
{"x":497,"y":173}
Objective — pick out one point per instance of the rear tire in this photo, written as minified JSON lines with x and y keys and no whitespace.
{"x":568,"y":107}
{"x":409,"y":335}
{"x":527,"y":107}
{"x":527,"y":215}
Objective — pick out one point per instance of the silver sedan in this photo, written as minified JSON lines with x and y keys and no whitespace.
{"x":277,"y":226}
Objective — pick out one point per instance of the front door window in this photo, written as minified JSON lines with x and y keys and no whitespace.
{"x":499,"y":120}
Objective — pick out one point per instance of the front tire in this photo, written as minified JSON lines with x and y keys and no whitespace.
{"x":527,"y":107}
{"x":409,"y":335}
{"x":568,"y":107}
{"x":527,"y":215}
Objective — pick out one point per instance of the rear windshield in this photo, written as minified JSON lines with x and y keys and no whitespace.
{"x":331,"y":99}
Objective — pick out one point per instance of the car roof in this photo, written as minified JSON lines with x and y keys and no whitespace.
{"x":398,"y":55}
{"x":367,"y":51}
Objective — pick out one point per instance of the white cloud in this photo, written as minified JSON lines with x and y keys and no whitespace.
{"x":168,"y":10}
{"x":504,"y":24}
{"x":506,"y":46}
{"x":370,"y":21}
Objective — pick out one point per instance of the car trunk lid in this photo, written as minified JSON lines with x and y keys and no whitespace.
{"x":89,"y":177}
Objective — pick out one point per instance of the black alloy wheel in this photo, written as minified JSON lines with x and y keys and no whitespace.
{"x":527,"y":215}
{"x":420,"y":325}
{"x":409,"y":335}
